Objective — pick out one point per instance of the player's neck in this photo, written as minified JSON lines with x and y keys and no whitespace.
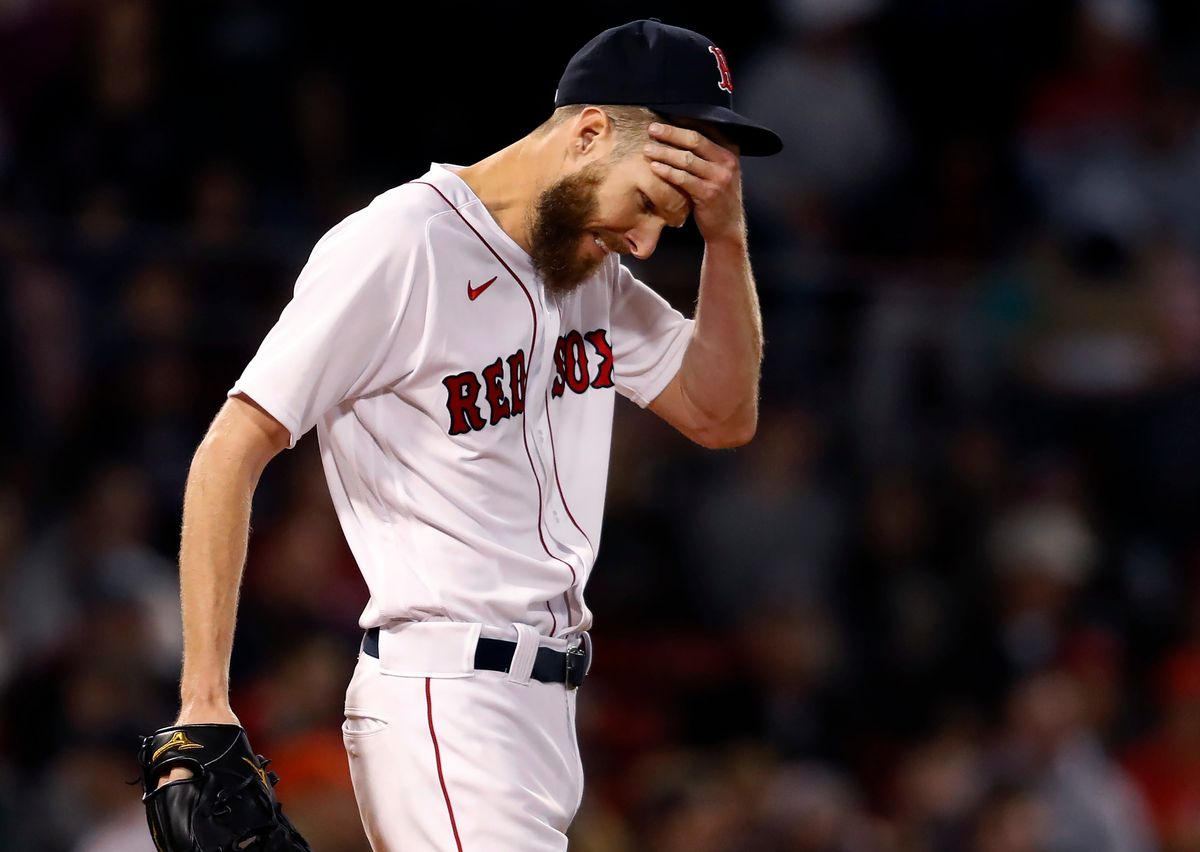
{"x":508,"y":183}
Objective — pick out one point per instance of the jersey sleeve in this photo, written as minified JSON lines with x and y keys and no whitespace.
{"x":649,"y":338}
{"x":337,"y":338}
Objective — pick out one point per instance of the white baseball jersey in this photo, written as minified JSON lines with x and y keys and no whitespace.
{"x":464,"y":413}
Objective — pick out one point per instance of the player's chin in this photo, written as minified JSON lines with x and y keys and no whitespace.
{"x":569,"y":277}
{"x":590,"y":257}
{"x":598,"y":246}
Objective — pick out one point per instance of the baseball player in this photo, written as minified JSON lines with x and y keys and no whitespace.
{"x":459,"y":344}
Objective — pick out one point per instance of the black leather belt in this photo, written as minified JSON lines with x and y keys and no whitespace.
{"x":495,"y":655}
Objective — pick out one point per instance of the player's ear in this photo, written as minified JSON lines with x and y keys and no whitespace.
{"x":592,"y":130}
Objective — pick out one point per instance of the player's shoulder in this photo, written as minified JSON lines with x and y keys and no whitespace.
{"x":395,"y":220}
{"x":410,"y":203}
{"x":439,"y":191}
{"x":401,"y":210}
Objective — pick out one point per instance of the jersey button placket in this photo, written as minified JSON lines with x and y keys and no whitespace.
{"x":554,"y":519}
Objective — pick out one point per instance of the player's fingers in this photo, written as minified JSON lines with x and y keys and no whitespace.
{"x":691,"y":140}
{"x":680,"y":158}
{"x":681,"y":178}
{"x":702,"y":191}
{"x":177,"y":773}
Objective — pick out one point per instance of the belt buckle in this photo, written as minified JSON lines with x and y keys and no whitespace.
{"x":579,"y":661}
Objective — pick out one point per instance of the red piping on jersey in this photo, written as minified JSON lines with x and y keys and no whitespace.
{"x":524,"y":432}
{"x":437,"y":755}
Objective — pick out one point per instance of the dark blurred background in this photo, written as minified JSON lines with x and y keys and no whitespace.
{"x":948,"y":599}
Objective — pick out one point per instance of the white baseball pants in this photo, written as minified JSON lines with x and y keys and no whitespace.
{"x":446,"y":758}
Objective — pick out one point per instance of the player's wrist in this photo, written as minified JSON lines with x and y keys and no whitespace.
{"x":203,"y":686}
{"x":728,"y":241}
{"x":206,"y":712}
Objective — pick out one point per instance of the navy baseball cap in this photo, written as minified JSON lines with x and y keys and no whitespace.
{"x":668,"y":69}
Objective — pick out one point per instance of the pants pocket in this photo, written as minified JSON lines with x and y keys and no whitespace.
{"x":360,"y":724}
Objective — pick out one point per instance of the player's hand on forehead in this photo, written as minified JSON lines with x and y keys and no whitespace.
{"x":704,"y":140}
{"x":670,"y":202}
{"x":708,"y":173}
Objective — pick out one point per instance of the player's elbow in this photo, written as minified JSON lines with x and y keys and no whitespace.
{"x":742,"y":435}
{"x":728,"y":434}
{"x":730,"y":439}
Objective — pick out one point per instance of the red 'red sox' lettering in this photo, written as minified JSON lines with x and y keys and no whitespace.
{"x":461,"y":401}
{"x":462,"y":394}
{"x":599,"y":339}
{"x":571,"y":362}
{"x":493,"y":378}
{"x":517,"y":380}
{"x":468,"y":392}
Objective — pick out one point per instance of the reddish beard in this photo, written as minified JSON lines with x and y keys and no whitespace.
{"x":560,"y":227}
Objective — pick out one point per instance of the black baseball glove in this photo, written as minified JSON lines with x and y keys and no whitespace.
{"x":228,"y":805}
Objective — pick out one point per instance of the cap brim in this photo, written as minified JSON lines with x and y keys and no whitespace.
{"x":752,"y":139}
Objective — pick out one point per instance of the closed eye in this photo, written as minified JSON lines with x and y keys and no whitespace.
{"x":647,"y":204}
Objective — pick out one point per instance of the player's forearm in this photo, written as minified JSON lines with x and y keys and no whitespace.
{"x":720,"y":371}
{"x":216,"y":520}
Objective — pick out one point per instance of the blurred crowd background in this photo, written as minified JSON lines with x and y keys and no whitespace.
{"x":947,"y":601}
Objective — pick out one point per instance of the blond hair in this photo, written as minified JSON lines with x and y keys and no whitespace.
{"x":630,"y":123}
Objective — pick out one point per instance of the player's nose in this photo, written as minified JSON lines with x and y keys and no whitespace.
{"x":643,"y":240}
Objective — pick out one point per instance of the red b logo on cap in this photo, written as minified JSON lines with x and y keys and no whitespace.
{"x":726,"y":82}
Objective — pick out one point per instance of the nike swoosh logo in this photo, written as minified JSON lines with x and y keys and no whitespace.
{"x":473,"y":293}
